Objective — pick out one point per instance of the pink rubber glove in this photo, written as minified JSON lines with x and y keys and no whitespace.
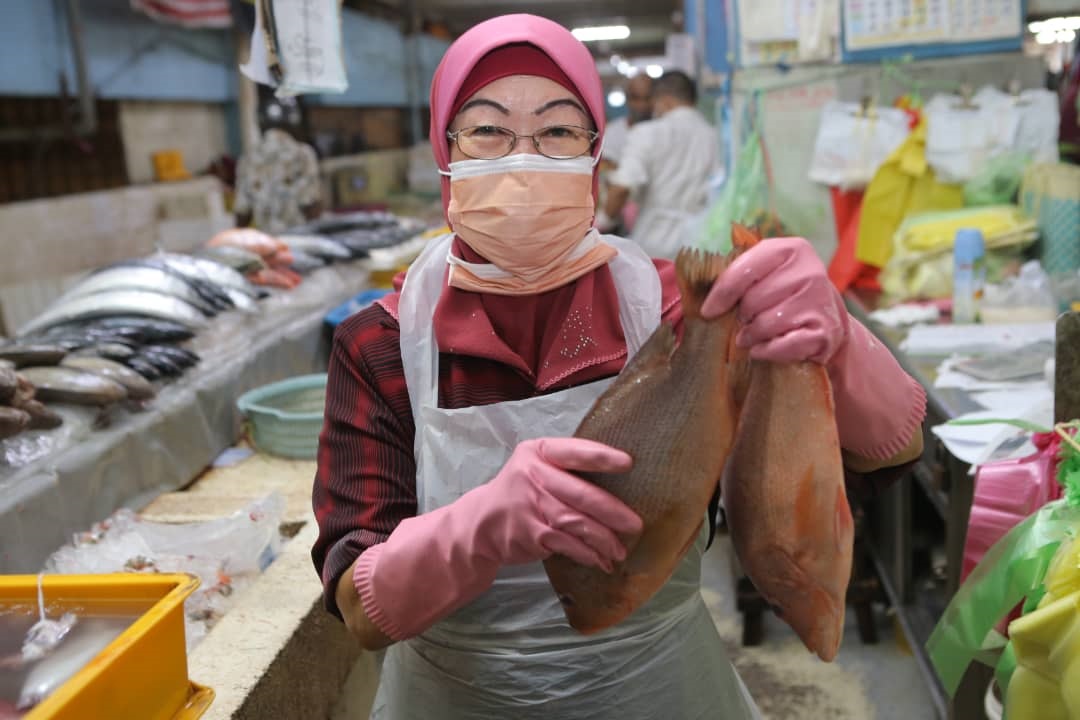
{"x":434,"y":563}
{"x":791,"y":312}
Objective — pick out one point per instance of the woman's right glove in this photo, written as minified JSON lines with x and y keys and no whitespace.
{"x":434,"y":563}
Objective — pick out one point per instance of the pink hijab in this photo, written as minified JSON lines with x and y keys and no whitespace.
{"x":553,"y":39}
{"x":528,"y":333}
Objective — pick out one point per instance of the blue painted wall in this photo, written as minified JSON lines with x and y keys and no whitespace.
{"x":375,"y":60}
{"x":133,"y":57}
{"x":128,"y":55}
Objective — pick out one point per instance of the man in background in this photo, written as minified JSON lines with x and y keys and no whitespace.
{"x":666,"y":165}
{"x":638,"y":109}
{"x":277,"y":182}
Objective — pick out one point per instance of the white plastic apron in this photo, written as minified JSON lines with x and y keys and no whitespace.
{"x":510,"y":654}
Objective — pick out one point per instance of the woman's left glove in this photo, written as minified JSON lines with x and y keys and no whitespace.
{"x":790,"y":312}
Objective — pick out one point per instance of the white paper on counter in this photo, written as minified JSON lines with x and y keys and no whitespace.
{"x":973,"y":339}
{"x":975,"y":444}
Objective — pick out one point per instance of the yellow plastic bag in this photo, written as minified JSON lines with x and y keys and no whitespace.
{"x":1046,"y":641}
{"x":903,"y":185}
{"x":921,"y":263}
{"x":1046,"y":682}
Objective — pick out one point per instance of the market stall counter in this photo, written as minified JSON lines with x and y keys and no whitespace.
{"x":56,"y":483}
{"x":919,"y":525}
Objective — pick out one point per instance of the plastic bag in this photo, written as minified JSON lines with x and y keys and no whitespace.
{"x":1006,"y":492}
{"x":921,"y":263}
{"x":961,"y":137}
{"x":1025,"y":566}
{"x":850,"y":148}
{"x":904,"y":185}
{"x":745,"y":193}
{"x":225,"y":554}
{"x":998,"y":182}
{"x":1027,"y":297}
{"x":1010,"y":571}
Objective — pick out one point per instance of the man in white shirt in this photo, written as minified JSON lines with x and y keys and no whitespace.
{"x":666,"y":166}
{"x":638,"y":109}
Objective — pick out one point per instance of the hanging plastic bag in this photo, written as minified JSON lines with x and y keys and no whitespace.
{"x":963,"y":135}
{"x":851,"y":145}
{"x":745,"y":194}
{"x":1039,"y":124}
{"x":998,"y":182}
{"x":903,"y":185}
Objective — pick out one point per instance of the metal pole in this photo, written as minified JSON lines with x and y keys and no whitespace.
{"x":87,"y":107}
{"x":412,"y":71}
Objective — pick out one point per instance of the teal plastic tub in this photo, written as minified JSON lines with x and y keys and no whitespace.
{"x":285,"y":417}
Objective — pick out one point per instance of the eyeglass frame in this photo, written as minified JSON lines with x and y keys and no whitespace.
{"x":593,"y":137}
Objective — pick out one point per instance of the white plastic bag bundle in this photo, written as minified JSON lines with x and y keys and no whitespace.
{"x":850,"y":148}
{"x":1040,"y":118}
{"x":961,"y":139}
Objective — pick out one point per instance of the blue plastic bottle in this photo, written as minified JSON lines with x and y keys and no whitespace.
{"x":969,"y":275}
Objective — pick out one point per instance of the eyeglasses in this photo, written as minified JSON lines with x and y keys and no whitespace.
{"x":490,"y":142}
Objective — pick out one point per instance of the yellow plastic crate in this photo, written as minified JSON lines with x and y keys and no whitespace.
{"x":142,"y":674}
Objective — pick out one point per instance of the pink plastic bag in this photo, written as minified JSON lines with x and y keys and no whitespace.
{"x":1008,"y":491}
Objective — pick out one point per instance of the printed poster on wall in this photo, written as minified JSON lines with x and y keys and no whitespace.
{"x":874,"y":24}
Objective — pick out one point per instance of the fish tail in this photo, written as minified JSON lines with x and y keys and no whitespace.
{"x":743,"y":238}
{"x":696,"y":271}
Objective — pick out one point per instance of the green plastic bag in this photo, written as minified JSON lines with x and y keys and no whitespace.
{"x":999,"y":181}
{"x":1011,"y":571}
{"x":744,"y":195}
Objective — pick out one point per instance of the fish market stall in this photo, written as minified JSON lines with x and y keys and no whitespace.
{"x":85,"y":431}
{"x":919,"y":539}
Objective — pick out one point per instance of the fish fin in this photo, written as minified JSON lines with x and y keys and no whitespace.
{"x":696,"y":271}
{"x":656,"y":351}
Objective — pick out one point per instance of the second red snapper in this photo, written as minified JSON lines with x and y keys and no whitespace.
{"x":784,"y":497}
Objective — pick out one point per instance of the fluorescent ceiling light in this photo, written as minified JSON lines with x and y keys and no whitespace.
{"x":616,"y":98}
{"x":601,"y":32}
{"x":1055,"y":24}
{"x":654,"y":71}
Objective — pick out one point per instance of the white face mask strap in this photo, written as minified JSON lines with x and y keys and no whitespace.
{"x":599,"y":152}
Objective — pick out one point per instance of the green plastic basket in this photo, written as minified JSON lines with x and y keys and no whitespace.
{"x":286,"y":417}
